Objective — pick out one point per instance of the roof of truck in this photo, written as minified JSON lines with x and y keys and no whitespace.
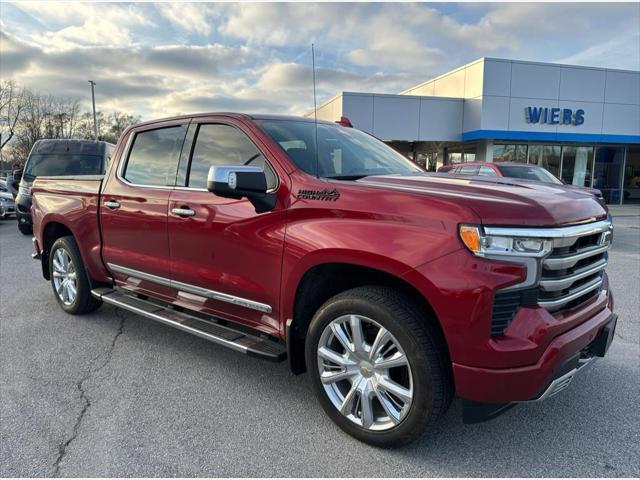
{"x":236,"y":115}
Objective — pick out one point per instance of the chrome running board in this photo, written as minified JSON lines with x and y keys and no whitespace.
{"x":209,"y":330}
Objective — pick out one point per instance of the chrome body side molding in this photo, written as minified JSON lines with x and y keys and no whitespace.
{"x":193,"y":289}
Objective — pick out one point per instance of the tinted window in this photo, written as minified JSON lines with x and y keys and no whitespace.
{"x":224,"y":145}
{"x":529,"y":173}
{"x":469,"y":170}
{"x":487,"y":172}
{"x":341,"y":152}
{"x":154,"y":156}
{"x":60,"y":164}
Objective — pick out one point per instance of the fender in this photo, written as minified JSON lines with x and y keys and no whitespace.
{"x":73,"y":204}
{"x":402,"y":232}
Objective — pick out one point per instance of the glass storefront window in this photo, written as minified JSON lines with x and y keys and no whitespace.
{"x":631,"y":183}
{"x":546,"y":156}
{"x":429,"y":161}
{"x":607,"y":172}
{"x":454,"y":157}
{"x":577,"y":165}
{"x":421,"y":160}
{"x":510,"y":153}
{"x":503,"y":153}
{"x":470,"y":153}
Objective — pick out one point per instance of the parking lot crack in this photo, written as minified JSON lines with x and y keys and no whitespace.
{"x":94,"y":367}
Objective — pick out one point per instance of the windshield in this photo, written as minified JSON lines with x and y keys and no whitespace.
{"x":59,"y":164}
{"x":343,"y":153}
{"x":538,"y":174}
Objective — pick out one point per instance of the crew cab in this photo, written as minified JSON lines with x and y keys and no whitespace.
{"x":287,"y":238}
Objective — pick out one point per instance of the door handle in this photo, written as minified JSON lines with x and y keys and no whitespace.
{"x":183,"y":212}
{"x":112,"y":204}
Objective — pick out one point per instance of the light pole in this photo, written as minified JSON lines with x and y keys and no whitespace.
{"x":93,"y":100}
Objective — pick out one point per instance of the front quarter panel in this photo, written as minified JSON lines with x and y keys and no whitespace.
{"x":377,"y":228}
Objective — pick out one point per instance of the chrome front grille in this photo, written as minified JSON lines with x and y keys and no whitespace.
{"x":573,"y":272}
{"x":569,"y":274}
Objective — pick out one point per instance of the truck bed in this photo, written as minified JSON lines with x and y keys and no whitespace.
{"x":71,"y":202}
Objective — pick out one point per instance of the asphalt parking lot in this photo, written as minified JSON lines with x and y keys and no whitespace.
{"x":112,"y":394}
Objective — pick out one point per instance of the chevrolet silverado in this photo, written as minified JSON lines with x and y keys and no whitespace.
{"x":289,"y":238}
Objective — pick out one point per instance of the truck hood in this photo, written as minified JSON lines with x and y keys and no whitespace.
{"x":501,"y":200}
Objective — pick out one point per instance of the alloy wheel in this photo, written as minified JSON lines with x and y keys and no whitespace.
{"x":64,"y":276}
{"x":364,"y":372}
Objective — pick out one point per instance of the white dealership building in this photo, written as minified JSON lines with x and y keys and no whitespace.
{"x":581,"y":123}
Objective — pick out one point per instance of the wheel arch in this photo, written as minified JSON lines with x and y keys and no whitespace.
{"x":325,"y":280}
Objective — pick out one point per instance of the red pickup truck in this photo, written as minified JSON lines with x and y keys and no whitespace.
{"x":286,"y":238}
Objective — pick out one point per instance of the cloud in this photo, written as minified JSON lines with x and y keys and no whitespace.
{"x":191,"y":17}
{"x":78,"y":24}
{"x":159,"y":59}
{"x":624,"y":44}
{"x":282,"y":24}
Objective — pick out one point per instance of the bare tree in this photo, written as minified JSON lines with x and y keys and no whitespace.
{"x":30,"y":116}
{"x":118,"y":122}
{"x":11,"y":108}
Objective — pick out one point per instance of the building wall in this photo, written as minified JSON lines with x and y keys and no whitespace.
{"x":488,"y":98}
{"x":609,"y":98}
{"x":399,"y":117}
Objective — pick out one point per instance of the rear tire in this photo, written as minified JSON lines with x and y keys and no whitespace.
{"x":402,"y":400}
{"x":70,"y":279}
{"x":25,"y":229}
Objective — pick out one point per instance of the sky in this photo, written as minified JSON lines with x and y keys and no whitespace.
{"x":161,"y":59}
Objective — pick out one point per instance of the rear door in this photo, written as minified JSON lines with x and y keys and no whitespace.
{"x":226,"y":258}
{"x":134,"y":209}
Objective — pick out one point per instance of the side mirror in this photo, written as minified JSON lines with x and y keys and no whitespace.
{"x":237,"y":181}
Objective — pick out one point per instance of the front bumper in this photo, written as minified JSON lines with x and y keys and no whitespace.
{"x":7,"y":209}
{"x":474,"y":411}
{"x":23,"y":209}
{"x":564,"y":354}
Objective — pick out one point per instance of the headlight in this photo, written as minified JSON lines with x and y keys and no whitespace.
{"x":483,"y":245}
{"x":26,"y":191}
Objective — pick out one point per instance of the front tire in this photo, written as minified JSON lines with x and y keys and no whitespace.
{"x":378,"y":365}
{"x":25,"y":229}
{"x":69,"y":278}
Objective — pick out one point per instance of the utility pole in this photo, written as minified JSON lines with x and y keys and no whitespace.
{"x":93,"y":99}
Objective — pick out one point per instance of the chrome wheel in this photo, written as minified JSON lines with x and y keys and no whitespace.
{"x":364,"y":372}
{"x":64,"y":276}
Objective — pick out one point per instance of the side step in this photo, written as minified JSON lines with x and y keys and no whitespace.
{"x":220,"y":334}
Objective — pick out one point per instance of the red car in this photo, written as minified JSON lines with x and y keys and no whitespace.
{"x":393,"y":288}
{"x":512,"y":170}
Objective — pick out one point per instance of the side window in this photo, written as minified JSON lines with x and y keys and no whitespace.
{"x":154,"y":155}
{"x":218,"y":144}
{"x":469,"y":170}
{"x":487,"y":172}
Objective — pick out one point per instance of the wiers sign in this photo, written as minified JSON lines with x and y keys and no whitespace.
{"x":554,"y":115}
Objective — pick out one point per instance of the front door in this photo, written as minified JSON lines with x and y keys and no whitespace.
{"x":134,"y":211}
{"x":226,"y":258}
